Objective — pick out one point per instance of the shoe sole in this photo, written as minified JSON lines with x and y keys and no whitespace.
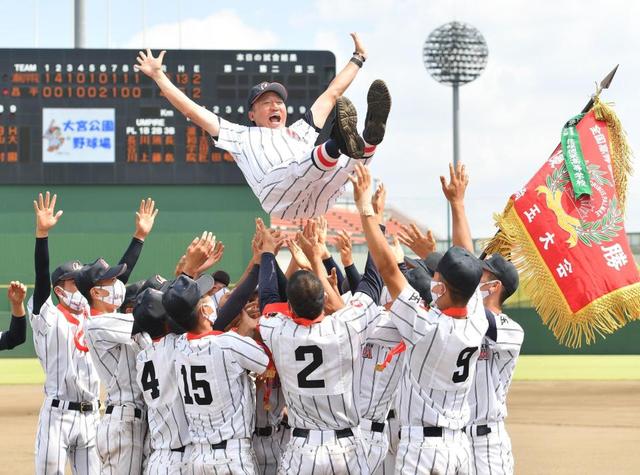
{"x":347,"y":122}
{"x":378,"y":107}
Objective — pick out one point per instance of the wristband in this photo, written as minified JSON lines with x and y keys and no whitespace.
{"x":356,"y":61}
{"x":359,"y":56}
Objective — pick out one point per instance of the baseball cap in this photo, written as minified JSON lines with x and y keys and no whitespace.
{"x":504,"y":270}
{"x":222,"y":277}
{"x":259,"y":89}
{"x":149,"y":314}
{"x":461,"y":269}
{"x":65,"y":271}
{"x":182,"y":295}
{"x":429,"y":263}
{"x":420,"y":279}
{"x":88,"y":276}
{"x":156,"y":282}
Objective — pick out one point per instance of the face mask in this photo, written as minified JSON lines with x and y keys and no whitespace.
{"x":486,"y":293}
{"x":210,"y":315}
{"x":74,"y":300}
{"x":115,"y":295}
{"x":434,"y":295}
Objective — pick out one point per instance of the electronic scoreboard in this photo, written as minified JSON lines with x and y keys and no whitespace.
{"x":85,"y":116}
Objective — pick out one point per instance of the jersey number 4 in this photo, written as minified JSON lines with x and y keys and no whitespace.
{"x":203,"y":397}
{"x":463,"y":362}
{"x":316,"y":360}
{"x":149,"y":380}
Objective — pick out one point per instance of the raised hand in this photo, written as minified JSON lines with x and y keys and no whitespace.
{"x":150,"y":65}
{"x":16,"y":293}
{"x":362,"y":194}
{"x":308,"y":241}
{"x":298,"y":255}
{"x":378,"y":200}
{"x":198,"y":252}
{"x":398,"y":252}
{"x":358,"y":46}
{"x":420,"y":243}
{"x":46,"y":216}
{"x":458,"y":181}
{"x":214,"y":258}
{"x":333,"y":280}
{"x":344,"y":246}
{"x":145,"y":218}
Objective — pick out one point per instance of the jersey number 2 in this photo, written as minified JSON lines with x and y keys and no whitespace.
{"x":149,"y":380}
{"x":463,"y":362}
{"x":316,"y":360}
{"x":202,"y":399}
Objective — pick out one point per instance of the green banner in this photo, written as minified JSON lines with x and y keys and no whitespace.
{"x":573,"y":158}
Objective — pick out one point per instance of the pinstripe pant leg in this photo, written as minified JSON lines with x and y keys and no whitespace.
{"x":51,"y":441}
{"x":84,"y":455}
{"x":376,"y":445}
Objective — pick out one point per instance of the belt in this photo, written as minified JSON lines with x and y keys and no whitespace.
{"x":179,"y":449}
{"x":340,"y":433}
{"x":74,"y":406}
{"x":481,"y":429}
{"x":137,"y":413}
{"x":432,"y":431}
{"x":264,"y":431}
{"x":391,"y":415}
{"x":377,"y":427}
{"x":220,"y":445}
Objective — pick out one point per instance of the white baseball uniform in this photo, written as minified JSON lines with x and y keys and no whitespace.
{"x":319,"y":368}
{"x":123,"y":428}
{"x":278,"y":167}
{"x":271,"y":436}
{"x":438,"y":372}
{"x":219,"y":399}
{"x":66,"y":429}
{"x":168,"y":426}
{"x":215,"y":298}
{"x":488,"y":398}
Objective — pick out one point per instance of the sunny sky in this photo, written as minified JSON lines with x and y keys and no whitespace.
{"x":544,"y":60}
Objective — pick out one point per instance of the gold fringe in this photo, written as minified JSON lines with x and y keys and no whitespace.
{"x":601,"y":317}
{"x":620,"y":151}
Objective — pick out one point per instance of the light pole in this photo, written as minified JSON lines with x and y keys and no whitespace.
{"x":455,"y":54}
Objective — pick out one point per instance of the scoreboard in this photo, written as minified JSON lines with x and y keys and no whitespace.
{"x":85,"y":116}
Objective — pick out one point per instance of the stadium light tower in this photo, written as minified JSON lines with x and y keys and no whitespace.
{"x":455,"y":54}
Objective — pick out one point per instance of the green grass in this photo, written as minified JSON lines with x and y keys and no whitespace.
{"x":529,"y":368}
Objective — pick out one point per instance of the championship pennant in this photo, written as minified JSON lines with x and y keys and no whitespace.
{"x":564,"y":231}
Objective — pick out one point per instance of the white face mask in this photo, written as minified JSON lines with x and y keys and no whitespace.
{"x":115,"y":294}
{"x":74,"y":300}
{"x":435,"y":295}
{"x":211,"y":315}
{"x":486,"y":293}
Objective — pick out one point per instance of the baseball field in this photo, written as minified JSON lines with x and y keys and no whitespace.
{"x":567,"y":414}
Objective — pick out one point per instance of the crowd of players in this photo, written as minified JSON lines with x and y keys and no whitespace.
{"x":403,"y":368}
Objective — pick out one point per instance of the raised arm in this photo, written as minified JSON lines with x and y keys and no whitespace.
{"x":327,"y":100}
{"x":379,"y":249}
{"x":454,"y":192}
{"x":46,"y":219}
{"x":17,"y":333}
{"x":152,"y":67}
{"x":145,"y":218}
{"x":420,"y":243}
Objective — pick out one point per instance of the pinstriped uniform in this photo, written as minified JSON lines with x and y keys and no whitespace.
{"x":319,"y":369}
{"x":219,"y":398}
{"x":70,"y":376}
{"x":488,"y":398}
{"x":269,"y":448}
{"x":168,"y":426}
{"x":215,"y":298}
{"x":121,"y":435}
{"x":438,"y":374}
{"x":278,"y":167}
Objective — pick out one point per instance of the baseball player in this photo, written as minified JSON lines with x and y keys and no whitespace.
{"x":290,"y":176}
{"x":442,"y":349}
{"x":272,"y":432}
{"x":17,"y":332}
{"x":220,"y":287}
{"x":211,"y":368}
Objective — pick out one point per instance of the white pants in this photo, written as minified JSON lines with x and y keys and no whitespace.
{"x":269,"y":449}
{"x":237,"y":458}
{"x":323,"y":453}
{"x":491,"y":452}
{"x":448,"y":454}
{"x":392,"y":428}
{"x":120,"y":440}
{"x":169,"y":462}
{"x":376,"y":444}
{"x":65,"y":434}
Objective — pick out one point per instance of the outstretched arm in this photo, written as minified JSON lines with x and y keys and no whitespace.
{"x":454,"y":192}
{"x":327,"y":100}
{"x":46,"y":218}
{"x":152,"y":67}
{"x":17,"y":333}
{"x":145,"y":217}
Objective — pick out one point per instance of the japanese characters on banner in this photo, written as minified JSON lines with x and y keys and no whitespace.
{"x":572,"y":252}
{"x":78,"y":135}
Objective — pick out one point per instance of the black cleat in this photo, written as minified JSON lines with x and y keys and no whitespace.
{"x":345,"y":130}
{"x":379,"y":105}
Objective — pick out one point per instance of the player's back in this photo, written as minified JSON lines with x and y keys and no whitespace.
{"x":218,"y":395}
{"x":168,"y":426}
{"x":318,"y":364}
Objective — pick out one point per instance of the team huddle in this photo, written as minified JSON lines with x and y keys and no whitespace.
{"x":313,"y":369}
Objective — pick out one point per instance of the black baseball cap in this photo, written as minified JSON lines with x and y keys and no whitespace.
{"x":156,"y":282}
{"x":222,"y":277}
{"x":429,"y":263}
{"x":66,"y":271}
{"x":259,"y":89}
{"x":420,"y":279}
{"x":505,"y":271}
{"x":88,"y":276}
{"x":461,"y":269}
{"x":182,"y":295}
{"x":149,"y":314}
